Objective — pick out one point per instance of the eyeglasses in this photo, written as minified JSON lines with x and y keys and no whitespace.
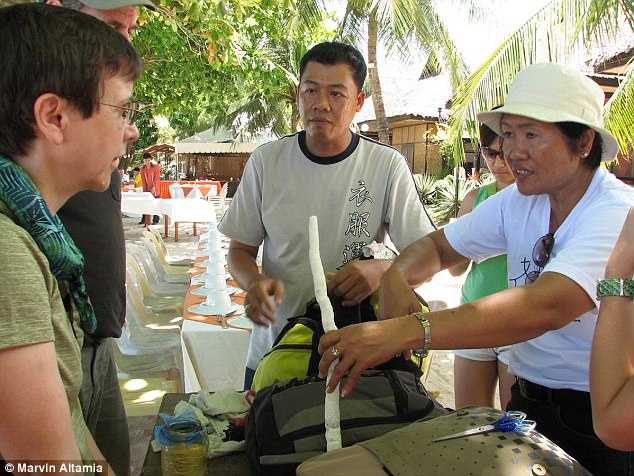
{"x":490,"y":153}
{"x":132,"y":108}
{"x":541,"y":254}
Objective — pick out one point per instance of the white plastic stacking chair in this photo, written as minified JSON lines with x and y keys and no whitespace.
{"x":164,"y":254}
{"x":176,"y":191}
{"x":170,"y":274}
{"x":152,"y":321}
{"x":133,"y":360}
{"x":150,"y":331}
{"x":154,"y":276}
{"x":151,"y":286}
{"x":219,"y":200}
{"x":141,"y":295}
{"x":146,"y":348}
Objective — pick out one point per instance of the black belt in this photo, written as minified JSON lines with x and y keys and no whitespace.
{"x":539,"y":393}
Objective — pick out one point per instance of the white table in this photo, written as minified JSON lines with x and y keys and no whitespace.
{"x":141,"y":203}
{"x":186,"y":210}
{"x":213,"y":358}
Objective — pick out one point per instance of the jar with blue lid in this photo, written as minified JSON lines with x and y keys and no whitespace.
{"x":183,"y":447}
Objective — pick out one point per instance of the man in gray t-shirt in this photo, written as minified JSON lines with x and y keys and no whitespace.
{"x":360,"y":191}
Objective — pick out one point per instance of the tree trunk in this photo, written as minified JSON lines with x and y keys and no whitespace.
{"x":127,"y":157}
{"x":375,"y":83}
{"x":294,"y":117}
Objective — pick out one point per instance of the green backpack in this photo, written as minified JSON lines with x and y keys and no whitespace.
{"x":294,"y":353}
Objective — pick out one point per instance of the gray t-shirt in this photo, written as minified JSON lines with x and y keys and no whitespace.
{"x":358,"y":197}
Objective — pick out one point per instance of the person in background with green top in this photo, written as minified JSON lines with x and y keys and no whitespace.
{"x":476,"y":371}
{"x":65,"y":105}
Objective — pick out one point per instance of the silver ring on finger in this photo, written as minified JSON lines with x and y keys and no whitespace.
{"x":334,"y":351}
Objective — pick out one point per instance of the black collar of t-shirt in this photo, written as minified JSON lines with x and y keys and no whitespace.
{"x":327,"y":160}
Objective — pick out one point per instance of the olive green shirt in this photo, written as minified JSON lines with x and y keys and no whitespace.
{"x":32,"y":312}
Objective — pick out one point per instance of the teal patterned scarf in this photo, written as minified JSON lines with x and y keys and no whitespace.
{"x":65,"y":260}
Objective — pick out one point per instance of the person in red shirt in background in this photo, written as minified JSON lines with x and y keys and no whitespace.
{"x":151,"y":176}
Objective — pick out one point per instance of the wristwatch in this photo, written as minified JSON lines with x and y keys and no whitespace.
{"x":615,"y":287}
{"x":422,"y":352}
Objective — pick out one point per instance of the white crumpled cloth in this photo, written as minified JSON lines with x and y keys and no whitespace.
{"x":214,"y":412}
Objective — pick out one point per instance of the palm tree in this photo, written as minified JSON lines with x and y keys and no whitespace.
{"x":558,"y":32}
{"x":269,"y":106}
{"x":398,"y":23}
{"x":272,"y":104}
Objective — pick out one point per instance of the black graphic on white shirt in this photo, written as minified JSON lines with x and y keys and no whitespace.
{"x":358,"y":224}
{"x":352,"y":251}
{"x":523,"y":278}
{"x":360,"y":194}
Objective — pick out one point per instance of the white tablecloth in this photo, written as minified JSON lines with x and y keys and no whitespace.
{"x":140,"y":203}
{"x":188,"y":210}
{"x":213,"y":358}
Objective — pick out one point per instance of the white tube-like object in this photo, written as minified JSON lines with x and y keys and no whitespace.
{"x":332,"y":417}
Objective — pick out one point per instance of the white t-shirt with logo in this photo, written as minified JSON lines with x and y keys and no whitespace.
{"x":511,"y":223}
{"x":358,"y":197}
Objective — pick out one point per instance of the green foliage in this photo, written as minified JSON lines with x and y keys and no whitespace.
{"x":426,"y":187}
{"x":446,"y":204}
{"x":557,"y":32}
{"x":443,"y":139}
{"x":148,"y":130}
{"x":619,"y":112}
{"x":270,"y":94}
{"x":439,"y":195}
{"x":209,"y":62}
{"x":402,"y":22}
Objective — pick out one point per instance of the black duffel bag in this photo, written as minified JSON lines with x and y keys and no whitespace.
{"x":286,"y":422}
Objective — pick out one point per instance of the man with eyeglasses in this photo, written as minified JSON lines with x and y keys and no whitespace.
{"x":557,"y":225}
{"x":93,"y":220}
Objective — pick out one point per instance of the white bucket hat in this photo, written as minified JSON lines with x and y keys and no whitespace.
{"x":550,"y":92}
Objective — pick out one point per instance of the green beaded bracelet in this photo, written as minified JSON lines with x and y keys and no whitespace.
{"x":615,"y":287}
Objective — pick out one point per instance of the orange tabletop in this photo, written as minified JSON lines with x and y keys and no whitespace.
{"x":165,"y":187}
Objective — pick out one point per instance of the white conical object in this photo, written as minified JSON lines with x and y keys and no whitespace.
{"x":217,"y":256}
{"x":215,"y":268}
{"x":218,"y":299}
{"x":216,"y":282}
{"x":211,"y":227}
{"x":213,"y":241}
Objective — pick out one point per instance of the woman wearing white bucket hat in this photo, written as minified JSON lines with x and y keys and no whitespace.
{"x":557,"y":225}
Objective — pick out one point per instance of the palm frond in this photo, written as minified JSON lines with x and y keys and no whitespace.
{"x":304,"y":15}
{"x":618,"y":112}
{"x":445,"y":203}
{"x":426,"y":187}
{"x":401,"y":25}
{"x":352,"y":26}
{"x":557,"y":32}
